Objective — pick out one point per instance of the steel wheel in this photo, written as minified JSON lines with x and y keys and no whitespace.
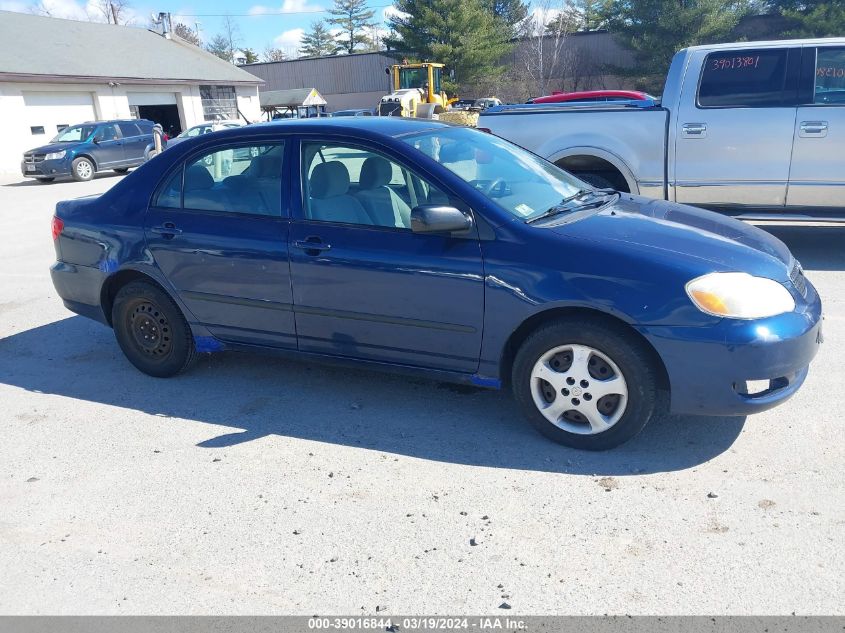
{"x":150,"y":330}
{"x":579,"y":389}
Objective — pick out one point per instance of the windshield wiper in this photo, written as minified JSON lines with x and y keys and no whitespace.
{"x":561,"y":207}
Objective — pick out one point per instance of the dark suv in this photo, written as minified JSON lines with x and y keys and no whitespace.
{"x":82,"y":150}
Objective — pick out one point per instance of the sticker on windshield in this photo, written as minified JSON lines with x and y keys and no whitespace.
{"x":523,"y":210}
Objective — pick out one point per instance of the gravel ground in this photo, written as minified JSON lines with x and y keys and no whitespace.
{"x":257,"y":485}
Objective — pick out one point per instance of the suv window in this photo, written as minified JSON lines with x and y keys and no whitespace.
{"x":107,"y":132}
{"x":145,"y":126}
{"x":238,"y":179}
{"x":830,"y":76}
{"x":743,"y":78}
{"x":129,"y":129}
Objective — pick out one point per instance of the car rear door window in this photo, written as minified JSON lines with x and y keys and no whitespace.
{"x":743,"y":78}
{"x":237,"y":179}
{"x":830,"y":76}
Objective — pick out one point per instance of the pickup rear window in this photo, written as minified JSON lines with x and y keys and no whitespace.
{"x":743,"y":78}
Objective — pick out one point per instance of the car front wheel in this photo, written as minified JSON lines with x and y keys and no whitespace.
{"x":82,"y":169}
{"x":585,"y":383}
{"x":151,"y":330}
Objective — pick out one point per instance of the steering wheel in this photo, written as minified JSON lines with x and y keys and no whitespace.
{"x":497,"y":182}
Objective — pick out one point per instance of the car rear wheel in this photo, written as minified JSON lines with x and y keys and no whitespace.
{"x":585,"y":384}
{"x":82,"y":169}
{"x":151,"y":330}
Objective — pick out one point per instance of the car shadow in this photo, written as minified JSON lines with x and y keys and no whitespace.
{"x":255,"y":396}
{"x":32,"y":182}
{"x":816,"y":247}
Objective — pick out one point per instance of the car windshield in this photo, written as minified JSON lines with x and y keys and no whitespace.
{"x":74,"y":133}
{"x":520,"y":182}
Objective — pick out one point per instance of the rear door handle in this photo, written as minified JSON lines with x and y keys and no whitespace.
{"x":168,"y":229}
{"x":810,"y":129}
{"x":312,"y":245}
{"x":694,"y":130}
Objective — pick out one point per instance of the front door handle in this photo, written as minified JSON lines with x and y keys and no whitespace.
{"x":812,"y":129}
{"x":694,"y":130}
{"x":167,"y":230}
{"x":312,"y":245}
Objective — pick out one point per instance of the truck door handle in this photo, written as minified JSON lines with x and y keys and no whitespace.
{"x":694,"y":130}
{"x":812,"y":129}
{"x":312,"y":245}
{"x":167,"y":230}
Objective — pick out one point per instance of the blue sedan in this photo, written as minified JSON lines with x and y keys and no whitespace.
{"x":425,"y":248}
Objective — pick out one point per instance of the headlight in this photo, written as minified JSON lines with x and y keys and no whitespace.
{"x":739,"y":296}
{"x":55,"y":155}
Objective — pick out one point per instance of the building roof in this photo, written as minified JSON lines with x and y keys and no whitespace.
{"x":291,"y":98}
{"x":34,"y":46}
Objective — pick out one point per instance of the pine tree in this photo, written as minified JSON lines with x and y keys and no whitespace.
{"x":463,"y":34}
{"x":250,"y":56}
{"x":219,"y":46}
{"x":318,"y":42}
{"x":354,"y":20}
{"x":654,"y":30}
{"x":512,"y":13}
{"x":810,"y":18}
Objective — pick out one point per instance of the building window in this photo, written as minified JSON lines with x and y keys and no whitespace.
{"x":219,"y":102}
{"x":60,"y":126}
{"x":37,"y":129}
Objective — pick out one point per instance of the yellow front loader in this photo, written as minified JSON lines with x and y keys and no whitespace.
{"x":417,"y":91}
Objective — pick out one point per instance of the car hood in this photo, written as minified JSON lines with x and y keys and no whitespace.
{"x":725,"y":243}
{"x":52,"y":147}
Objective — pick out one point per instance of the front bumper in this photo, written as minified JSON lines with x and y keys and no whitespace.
{"x":45,"y":168}
{"x":709,"y":367}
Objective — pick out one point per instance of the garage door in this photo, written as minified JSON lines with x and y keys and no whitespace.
{"x":151,"y":98}
{"x":51,"y":111}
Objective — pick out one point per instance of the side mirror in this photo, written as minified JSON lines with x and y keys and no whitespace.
{"x":435,"y":218}
{"x":97,"y":140}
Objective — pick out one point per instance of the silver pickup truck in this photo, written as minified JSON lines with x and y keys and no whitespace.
{"x":755,"y":129}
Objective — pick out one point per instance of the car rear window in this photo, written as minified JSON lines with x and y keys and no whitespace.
{"x":743,"y":78}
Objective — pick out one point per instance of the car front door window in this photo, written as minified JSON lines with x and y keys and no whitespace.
{"x":352,"y":185}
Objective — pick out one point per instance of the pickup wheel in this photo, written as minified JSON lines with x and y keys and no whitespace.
{"x":82,"y":169}
{"x":151,"y":330}
{"x":585,"y":384}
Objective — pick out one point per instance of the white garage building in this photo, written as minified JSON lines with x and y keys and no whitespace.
{"x":55,"y":73}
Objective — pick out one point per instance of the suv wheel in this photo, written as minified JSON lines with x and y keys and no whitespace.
{"x":82,"y":169}
{"x":585,"y":384}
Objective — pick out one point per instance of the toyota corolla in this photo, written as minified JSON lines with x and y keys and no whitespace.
{"x":425,"y":248}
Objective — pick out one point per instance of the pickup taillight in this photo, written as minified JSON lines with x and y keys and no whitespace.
{"x":58,"y":226}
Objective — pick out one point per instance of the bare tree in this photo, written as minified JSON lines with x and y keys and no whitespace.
{"x":542,"y":57}
{"x":232,"y":33}
{"x":273,"y":54}
{"x":188,"y":34}
{"x":111,"y":11}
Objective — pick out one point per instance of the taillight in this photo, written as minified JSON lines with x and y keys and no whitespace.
{"x":58,"y":227}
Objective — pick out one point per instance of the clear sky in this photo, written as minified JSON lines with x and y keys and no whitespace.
{"x":278,"y":23}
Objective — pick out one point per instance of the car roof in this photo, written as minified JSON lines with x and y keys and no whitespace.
{"x":388,"y":126}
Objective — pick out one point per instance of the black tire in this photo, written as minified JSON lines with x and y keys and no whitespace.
{"x":44,"y":181}
{"x":628,"y":353}
{"x":596,"y":180}
{"x":142,"y":309}
{"x":82,"y":169}
{"x":121,"y":170}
